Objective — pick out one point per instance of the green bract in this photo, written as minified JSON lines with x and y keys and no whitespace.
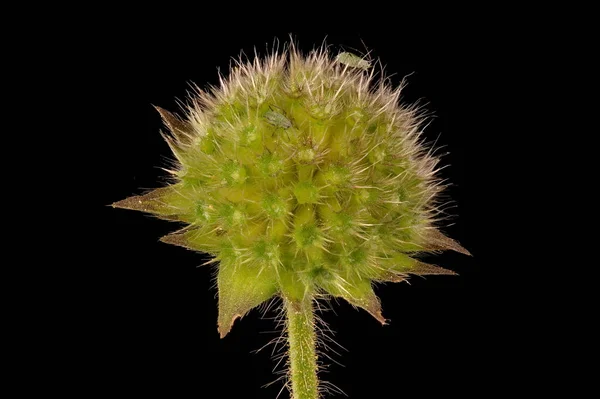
{"x":301,"y":176}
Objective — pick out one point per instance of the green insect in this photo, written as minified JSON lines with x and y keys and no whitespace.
{"x":353,"y":61}
{"x":277,"y":119}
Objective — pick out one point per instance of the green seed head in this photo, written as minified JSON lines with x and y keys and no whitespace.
{"x":301,"y":177}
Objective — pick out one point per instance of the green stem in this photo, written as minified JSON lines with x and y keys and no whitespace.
{"x":302,"y":346}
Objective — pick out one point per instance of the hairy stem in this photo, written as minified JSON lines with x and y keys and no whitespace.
{"x":302,"y":347}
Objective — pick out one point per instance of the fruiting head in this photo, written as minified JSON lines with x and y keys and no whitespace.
{"x":301,"y":177}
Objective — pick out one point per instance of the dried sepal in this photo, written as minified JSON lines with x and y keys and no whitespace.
{"x":404,"y":264}
{"x":180,"y":129}
{"x":171,"y":203}
{"x":437,"y":241}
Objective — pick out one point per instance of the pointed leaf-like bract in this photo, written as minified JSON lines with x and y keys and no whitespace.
{"x":179,"y":128}
{"x":424,"y":269}
{"x":241,"y":288}
{"x":438,"y":241}
{"x":404,"y":264}
{"x":180,"y":239}
{"x":194,"y":239}
{"x":358,"y":292}
{"x":165,"y":202}
{"x":390,"y":276}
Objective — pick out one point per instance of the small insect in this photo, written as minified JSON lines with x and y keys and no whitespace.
{"x":219,"y":232}
{"x":277,"y":119}
{"x":353,"y":61}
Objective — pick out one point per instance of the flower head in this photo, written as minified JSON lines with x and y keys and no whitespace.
{"x":301,"y":175}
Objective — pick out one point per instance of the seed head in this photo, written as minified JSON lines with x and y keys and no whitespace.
{"x":301,"y":176}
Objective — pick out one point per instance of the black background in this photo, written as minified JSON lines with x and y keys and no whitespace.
{"x":155,"y":314}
